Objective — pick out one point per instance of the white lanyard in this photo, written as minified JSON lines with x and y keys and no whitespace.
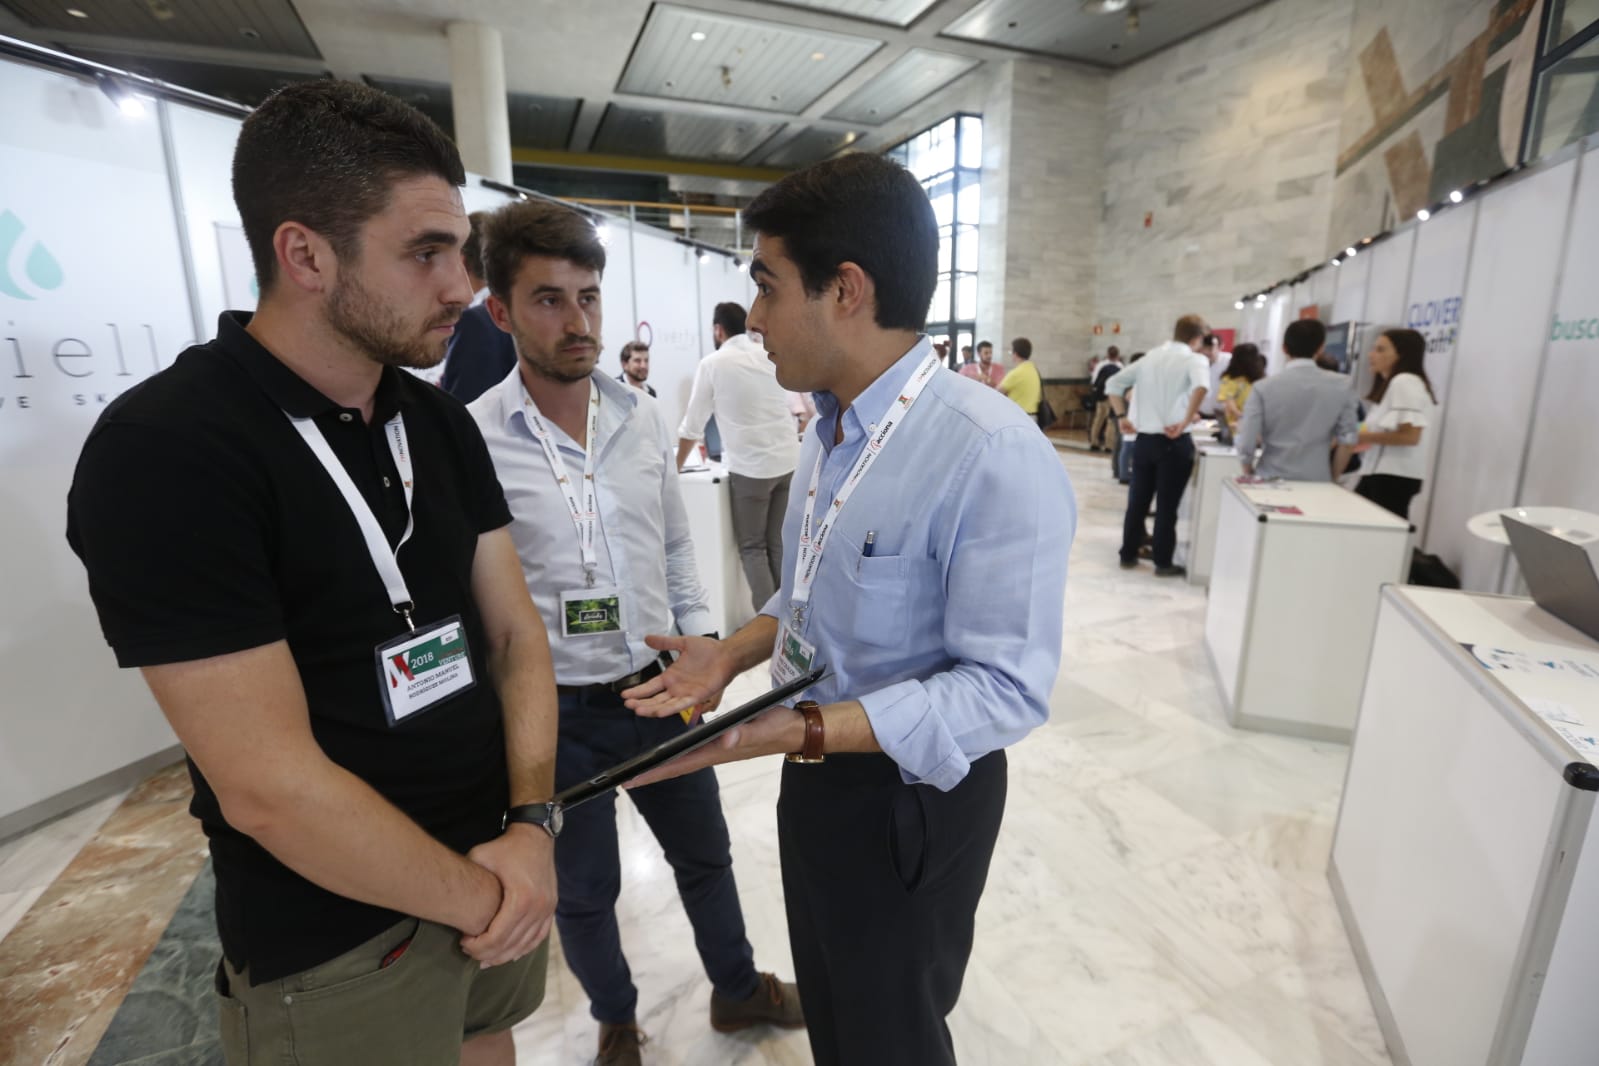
{"x":584,"y":509}
{"x":813,"y":536}
{"x":386,"y":559}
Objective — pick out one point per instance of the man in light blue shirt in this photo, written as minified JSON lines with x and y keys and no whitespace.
{"x":1295,"y":416}
{"x":934,"y":594}
{"x":588,"y":470}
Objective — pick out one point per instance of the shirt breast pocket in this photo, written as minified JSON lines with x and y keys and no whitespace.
{"x":881,"y":592}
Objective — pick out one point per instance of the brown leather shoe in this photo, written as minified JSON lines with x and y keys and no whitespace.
{"x":619,"y":1045}
{"x":774,"y":1003}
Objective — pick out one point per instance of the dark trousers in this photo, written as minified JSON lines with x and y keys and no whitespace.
{"x":1161,"y":467}
{"x":881,"y":881}
{"x":1390,"y":492}
{"x":684,"y":814}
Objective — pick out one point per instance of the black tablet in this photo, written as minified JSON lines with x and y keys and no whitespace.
{"x":687,"y":741}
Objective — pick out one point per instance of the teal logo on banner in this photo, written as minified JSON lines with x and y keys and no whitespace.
{"x":1575,"y":329}
{"x":40,"y":271}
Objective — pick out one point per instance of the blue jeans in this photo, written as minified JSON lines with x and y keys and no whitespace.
{"x":685,"y":816}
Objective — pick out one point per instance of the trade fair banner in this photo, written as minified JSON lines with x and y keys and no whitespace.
{"x":1515,"y":260}
{"x":93,"y":300}
{"x":1433,"y":308}
{"x":1565,"y":434}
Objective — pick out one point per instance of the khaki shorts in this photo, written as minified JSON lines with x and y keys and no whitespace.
{"x":416,"y":1011}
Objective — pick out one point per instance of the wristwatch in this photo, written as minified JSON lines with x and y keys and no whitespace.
{"x":815,"y":739}
{"x":549,"y":817}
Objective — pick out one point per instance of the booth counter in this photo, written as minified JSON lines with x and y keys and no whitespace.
{"x":1466,"y":856}
{"x":1215,"y":464}
{"x":1293,"y":597}
{"x":708,"y":498}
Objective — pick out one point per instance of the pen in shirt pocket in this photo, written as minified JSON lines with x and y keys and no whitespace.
{"x":870,"y":545}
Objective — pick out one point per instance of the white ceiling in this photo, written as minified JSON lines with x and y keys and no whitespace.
{"x":772,"y":83}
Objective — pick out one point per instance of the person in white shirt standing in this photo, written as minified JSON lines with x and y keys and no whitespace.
{"x":586,"y":465}
{"x":1403,"y":405}
{"x":738,"y":384}
{"x":1219,"y":359}
{"x":1172,"y":381}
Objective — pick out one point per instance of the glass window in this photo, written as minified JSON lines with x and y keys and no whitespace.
{"x":966,"y":296}
{"x":945,"y":245}
{"x":972,"y":139}
{"x":1567,"y":18}
{"x":965,"y":249}
{"x":1568,"y":101}
{"x":939,"y":309}
{"x":971,"y":198}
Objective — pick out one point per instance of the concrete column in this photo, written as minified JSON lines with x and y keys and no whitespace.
{"x":477,"y":90}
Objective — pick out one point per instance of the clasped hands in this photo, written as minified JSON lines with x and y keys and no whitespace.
{"x":522,"y":860}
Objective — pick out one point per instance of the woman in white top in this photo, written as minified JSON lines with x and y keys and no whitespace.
{"x":1400,"y":408}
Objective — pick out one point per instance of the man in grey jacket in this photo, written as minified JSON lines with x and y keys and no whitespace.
{"x":1295,"y":417}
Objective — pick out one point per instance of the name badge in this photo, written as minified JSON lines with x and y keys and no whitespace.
{"x":423,"y":669}
{"x":791,"y":657}
{"x":591,"y":612}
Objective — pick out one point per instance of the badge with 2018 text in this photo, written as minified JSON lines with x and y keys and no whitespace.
{"x":424,"y":668}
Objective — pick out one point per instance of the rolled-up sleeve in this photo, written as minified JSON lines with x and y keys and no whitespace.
{"x":701,"y":403}
{"x":1123,"y":380}
{"x":1347,"y":428}
{"x":1249,"y":428}
{"x":1003,"y":559}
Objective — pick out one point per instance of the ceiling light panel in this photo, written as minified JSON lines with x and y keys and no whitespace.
{"x":1062,"y":28}
{"x":637,"y":131}
{"x":892,"y":12}
{"x":912,"y":77}
{"x":241,"y":25}
{"x":741,"y":62}
{"x":811,"y":146}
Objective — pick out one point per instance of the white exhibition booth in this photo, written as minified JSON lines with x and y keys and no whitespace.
{"x":1506,"y":288}
{"x":1293,"y":597}
{"x":1214,"y":464}
{"x":119,"y":245}
{"x":1466,"y":855}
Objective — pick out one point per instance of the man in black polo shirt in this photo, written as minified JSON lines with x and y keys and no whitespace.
{"x":304,"y":549}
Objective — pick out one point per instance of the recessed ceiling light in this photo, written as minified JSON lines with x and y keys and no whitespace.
{"x":76,"y":13}
{"x":817,"y":56}
{"x":1104,"y":7}
{"x":697,"y":35}
{"x":1010,"y":25}
{"x":775,"y":98}
{"x":249,"y":33}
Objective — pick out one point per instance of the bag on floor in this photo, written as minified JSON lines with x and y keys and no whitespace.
{"x":1429,"y":570}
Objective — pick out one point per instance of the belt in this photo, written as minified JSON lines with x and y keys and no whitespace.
{"x":621,"y":684}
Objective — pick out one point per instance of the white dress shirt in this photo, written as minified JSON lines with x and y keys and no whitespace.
{"x":738,"y":384}
{"x":643,"y":540}
{"x":1165,"y":380}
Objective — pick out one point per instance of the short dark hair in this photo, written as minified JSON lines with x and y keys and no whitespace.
{"x":730,"y":316}
{"x":472,"y":250}
{"x":1113,"y":352}
{"x":1211,"y":338}
{"x":536,"y":228}
{"x":630,"y":347}
{"x":1022,"y":347}
{"x":863,"y":209}
{"x":325,"y":154}
{"x":1304,"y":337}
{"x":984,"y":344}
{"x":1189,"y":328}
{"x":965,"y":348}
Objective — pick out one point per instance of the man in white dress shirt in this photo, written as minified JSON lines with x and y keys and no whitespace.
{"x":737,"y":384}
{"x":1172,"y":382}
{"x":586,"y":465}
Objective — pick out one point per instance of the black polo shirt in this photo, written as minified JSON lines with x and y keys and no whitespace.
{"x":207,"y":526}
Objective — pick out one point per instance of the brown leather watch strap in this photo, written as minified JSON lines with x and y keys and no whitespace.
{"x":815,"y":738}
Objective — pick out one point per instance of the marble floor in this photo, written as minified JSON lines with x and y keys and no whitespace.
{"x":1157,"y":898}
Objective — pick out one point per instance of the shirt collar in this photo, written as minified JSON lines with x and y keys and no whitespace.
{"x":295,"y":396}
{"x":1292,"y":362}
{"x":873,"y":403}
{"x":513,"y":397}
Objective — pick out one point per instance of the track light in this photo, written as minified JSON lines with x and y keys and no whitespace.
{"x":1349,"y":253}
{"x":1456,"y":196}
{"x":118,"y":94}
{"x":1423,"y":215}
{"x":1238,"y":306}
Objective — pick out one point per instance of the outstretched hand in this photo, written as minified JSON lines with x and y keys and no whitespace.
{"x":693,"y":683}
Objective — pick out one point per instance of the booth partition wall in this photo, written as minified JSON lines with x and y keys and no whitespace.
{"x":947,"y":159}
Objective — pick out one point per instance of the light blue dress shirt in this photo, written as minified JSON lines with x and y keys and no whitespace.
{"x":949,"y":633}
{"x":642,"y":543}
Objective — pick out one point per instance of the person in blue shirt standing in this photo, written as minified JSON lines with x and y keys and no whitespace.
{"x":925,"y":567}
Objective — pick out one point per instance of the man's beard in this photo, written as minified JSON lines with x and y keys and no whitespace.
{"x":366,"y":322}
{"x":549,"y":364}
